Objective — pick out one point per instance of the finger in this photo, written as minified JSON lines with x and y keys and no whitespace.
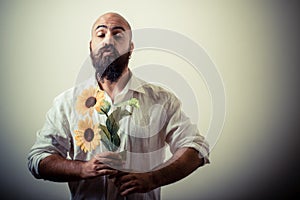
{"x":119,"y":180}
{"x":103,"y":172}
{"x":117,"y":174}
{"x":111,"y":162}
{"x":128,"y":191}
{"x":121,"y":174}
{"x":99,"y":167}
{"x":125,"y":177}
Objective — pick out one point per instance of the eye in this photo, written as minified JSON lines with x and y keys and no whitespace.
{"x":118,"y":35}
{"x":101,"y":35}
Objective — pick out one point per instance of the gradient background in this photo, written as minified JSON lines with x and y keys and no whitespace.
{"x":253,"y":43}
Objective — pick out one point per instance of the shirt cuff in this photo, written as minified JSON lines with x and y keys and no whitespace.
{"x":202,"y":152}
{"x":34,"y":164}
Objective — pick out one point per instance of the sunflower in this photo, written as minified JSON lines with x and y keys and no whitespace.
{"x":88,"y":99}
{"x":102,"y":106}
{"x":87,"y":136}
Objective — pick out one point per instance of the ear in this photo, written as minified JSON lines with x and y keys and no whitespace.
{"x":90,"y":46}
{"x":131,"y":47}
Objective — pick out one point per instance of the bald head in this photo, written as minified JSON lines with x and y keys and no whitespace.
{"x":111,"y":28}
{"x":111,"y":19}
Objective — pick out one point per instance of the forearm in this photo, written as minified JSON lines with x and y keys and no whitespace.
{"x":183,"y":162}
{"x":59,"y":169}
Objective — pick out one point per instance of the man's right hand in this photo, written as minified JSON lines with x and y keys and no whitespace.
{"x":59,"y":169}
{"x":102,"y":164}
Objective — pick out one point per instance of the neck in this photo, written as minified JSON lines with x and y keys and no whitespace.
{"x":114,"y":88}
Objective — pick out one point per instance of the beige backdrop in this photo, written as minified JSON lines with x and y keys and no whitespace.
{"x":252,"y":43}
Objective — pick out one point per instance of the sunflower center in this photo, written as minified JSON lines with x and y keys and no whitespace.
{"x":88,"y":134}
{"x":91,"y":101}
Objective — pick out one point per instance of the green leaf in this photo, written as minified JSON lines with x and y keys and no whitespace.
{"x":115,"y":113}
{"x":112,"y":125}
{"x":113,"y":128}
{"x":111,"y":140}
{"x":105,"y":140}
{"x":104,"y":130}
{"x":123,"y":114}
{"x":110,"y":136}
{"x":116,"y":140}
{"x":118,"y":114}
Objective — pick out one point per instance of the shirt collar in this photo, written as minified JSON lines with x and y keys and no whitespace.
{"x":134,"y":84}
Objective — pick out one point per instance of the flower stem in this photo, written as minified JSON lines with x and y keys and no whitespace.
{"x":104,"y":112}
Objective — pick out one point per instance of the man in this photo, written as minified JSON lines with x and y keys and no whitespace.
{"x":69,"y":149}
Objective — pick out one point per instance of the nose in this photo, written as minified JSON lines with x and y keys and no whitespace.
{"x":108,"y":39}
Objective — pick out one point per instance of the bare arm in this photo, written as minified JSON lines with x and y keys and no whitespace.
{"x":183,"y":162}
{"x":56,"y":168}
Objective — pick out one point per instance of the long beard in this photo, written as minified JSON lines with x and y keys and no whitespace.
{"x":110,"y":66}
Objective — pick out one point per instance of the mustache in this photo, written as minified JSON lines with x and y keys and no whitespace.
{"x":108,"y":48}
{"x":109,"y":66}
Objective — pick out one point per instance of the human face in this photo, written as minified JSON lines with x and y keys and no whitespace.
{"x":110,"y":46}
{"x":111,"y":29}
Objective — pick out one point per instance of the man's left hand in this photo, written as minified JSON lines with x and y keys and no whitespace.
{"x":128,"y":183}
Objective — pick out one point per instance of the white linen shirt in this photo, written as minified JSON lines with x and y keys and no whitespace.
{"x":145,"y":134}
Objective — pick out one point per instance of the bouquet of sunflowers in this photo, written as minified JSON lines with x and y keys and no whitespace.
{"x":88,"y":136}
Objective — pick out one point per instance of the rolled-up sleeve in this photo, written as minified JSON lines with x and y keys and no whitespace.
{"x":53,"y":138}
{"x":182,"y":133}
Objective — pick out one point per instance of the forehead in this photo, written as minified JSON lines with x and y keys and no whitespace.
{"x":110,"y":21}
